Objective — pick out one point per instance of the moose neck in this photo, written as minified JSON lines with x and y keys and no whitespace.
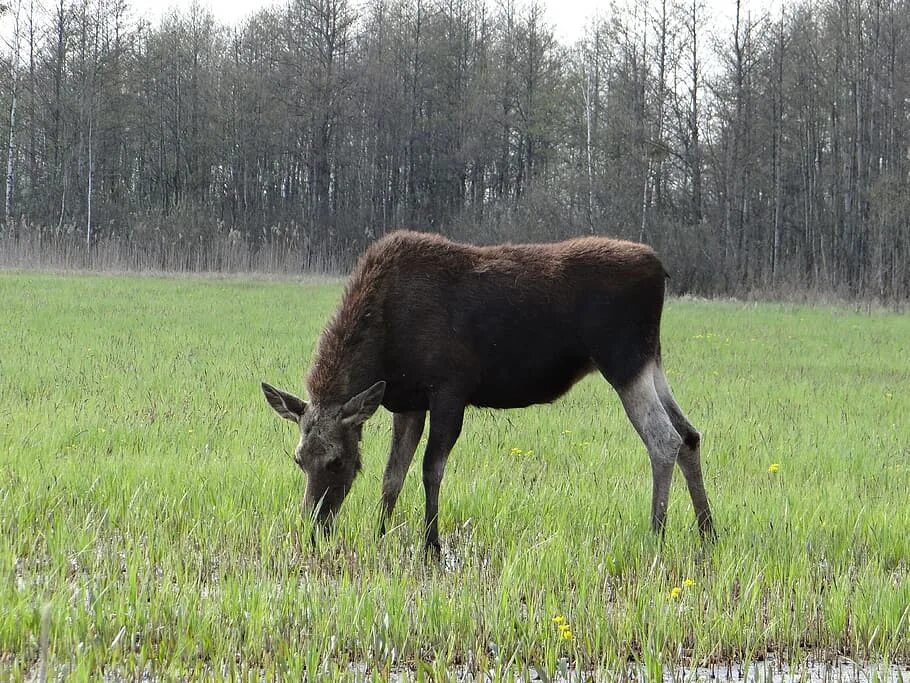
{"x":348,"y":356}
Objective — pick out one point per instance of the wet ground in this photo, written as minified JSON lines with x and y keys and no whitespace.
{"x":842,"y":670}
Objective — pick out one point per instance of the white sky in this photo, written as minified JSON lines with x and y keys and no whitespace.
{"x":567,"y":16}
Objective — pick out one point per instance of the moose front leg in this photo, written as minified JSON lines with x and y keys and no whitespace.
{"x":446,"y":418}
{"x":407,"y":429}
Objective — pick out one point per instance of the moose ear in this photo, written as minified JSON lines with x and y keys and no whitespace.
{"x":359,"y":409}
{"x":287,"y":405}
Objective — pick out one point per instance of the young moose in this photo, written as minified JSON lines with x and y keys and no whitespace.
{"x":430,"y":325}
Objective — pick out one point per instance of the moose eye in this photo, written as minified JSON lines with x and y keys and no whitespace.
{"x":334,"y":465}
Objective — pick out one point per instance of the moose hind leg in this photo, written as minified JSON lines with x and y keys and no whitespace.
{"x":651,"y":421}
{"x":689,"y":454}
{"x":407,"y":429}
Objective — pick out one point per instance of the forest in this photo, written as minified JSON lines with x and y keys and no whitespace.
{"x":766,"y":155}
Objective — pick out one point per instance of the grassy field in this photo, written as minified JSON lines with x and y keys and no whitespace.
{"x":149,"y":506}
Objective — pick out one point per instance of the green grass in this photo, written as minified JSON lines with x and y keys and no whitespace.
{"x":147,"y":495}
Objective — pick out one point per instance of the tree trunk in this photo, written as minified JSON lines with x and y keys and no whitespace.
{"x":588,"y":94}
{"x":11,"y":142}
{"x":776,"y":151}
{"x":11,"y":159}
{"x":91,"y":178}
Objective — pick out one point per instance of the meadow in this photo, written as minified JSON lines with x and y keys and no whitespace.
{"x":150,"y":509}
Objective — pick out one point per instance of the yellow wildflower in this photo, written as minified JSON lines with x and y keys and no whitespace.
{"x":688,"y":583}
{"x":515,"y":451}
{"x":558,"y":619}
{"x":675,"y":592}
{"x":567,"y":634}
{"x":774,"y":468}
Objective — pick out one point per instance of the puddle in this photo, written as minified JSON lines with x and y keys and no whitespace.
{"x":842,"y":670}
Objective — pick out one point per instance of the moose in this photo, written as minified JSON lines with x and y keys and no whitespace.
{"x":430,"y":325}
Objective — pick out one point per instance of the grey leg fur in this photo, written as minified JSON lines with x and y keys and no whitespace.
{"x":407,"y":429}
{"x":689,"y":454}
{"x":650,"y":419}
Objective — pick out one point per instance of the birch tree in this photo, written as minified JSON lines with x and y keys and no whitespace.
{"x":11,"y":150}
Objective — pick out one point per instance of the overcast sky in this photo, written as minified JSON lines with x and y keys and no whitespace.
{"x":567,"y":16}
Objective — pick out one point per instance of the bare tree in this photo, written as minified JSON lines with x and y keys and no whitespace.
{"x":776,"y":156}
{"x":11,"y":151}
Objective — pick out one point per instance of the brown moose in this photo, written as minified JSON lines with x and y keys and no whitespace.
{"x":431,"y":325}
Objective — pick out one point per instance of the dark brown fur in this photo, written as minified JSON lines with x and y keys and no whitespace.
{"x":418,"y":306}
{"x":429,"y":325}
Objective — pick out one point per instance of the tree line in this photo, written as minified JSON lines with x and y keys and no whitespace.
{"x":771,"y":153}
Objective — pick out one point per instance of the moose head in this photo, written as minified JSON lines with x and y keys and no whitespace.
{"x":329,"y":448}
